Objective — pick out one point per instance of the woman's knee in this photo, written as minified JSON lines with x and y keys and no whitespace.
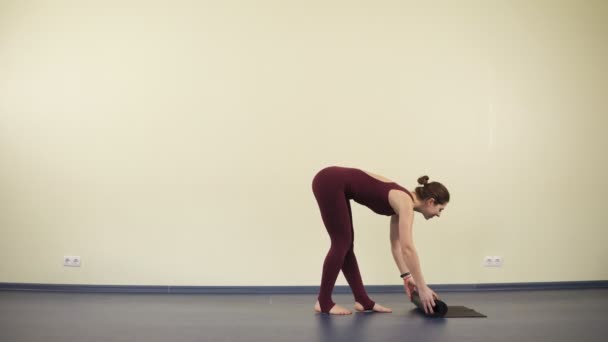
{"x":340,"y":248}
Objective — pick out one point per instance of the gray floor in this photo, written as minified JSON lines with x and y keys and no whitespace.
{"x":558,"y":315}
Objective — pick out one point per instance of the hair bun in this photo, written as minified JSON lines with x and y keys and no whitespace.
{"x":423,"y":180}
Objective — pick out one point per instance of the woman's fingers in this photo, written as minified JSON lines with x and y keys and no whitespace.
{"x":429,"y":308}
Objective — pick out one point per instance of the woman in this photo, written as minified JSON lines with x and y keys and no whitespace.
{"x":333,"y":188}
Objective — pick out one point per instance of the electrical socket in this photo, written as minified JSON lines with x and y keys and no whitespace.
{"x":492,"y":261}
{"x":487,"y":261}
{"x":497,"y":261}
{"x":71,"y":261}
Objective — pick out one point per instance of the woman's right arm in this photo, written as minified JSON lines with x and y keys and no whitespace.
{"x":406,"y":241}
{"x":405,"y":212}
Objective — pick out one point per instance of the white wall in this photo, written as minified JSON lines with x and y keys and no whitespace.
{"x":174,"y":142}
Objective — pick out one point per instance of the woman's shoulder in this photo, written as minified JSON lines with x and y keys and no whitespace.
{"x":400,"y":199}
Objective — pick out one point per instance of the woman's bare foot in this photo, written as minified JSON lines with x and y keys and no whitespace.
{"x":336,"y":310}
{"x":377,"y":308}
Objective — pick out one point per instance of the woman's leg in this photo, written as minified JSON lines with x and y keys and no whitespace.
{"x":350,"y":269}
{"x":334,"y":212}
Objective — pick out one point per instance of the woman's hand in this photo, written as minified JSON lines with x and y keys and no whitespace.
{"x":410,"y":286}
{"x":427,"y":298}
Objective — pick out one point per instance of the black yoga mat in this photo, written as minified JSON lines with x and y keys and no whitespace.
{"x":442,"y":310}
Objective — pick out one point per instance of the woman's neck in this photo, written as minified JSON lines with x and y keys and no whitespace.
{"x":417,"y":201}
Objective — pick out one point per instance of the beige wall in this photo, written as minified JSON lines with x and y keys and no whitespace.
{"x":174,"y":142}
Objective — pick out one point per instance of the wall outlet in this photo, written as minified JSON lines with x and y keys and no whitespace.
{"x":487,"y":261}
{"x":71,"y":261}
{"x":497,"y":261}
{"x":492,"y":261}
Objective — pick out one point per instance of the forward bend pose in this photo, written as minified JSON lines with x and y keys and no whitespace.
{"x":333,"y":188}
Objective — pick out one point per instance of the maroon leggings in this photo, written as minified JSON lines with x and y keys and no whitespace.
{"x":338,"y":220}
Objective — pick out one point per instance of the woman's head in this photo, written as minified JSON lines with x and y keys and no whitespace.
{"x":433,"y":197}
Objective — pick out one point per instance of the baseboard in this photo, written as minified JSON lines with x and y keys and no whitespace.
{"x":75,"y":288}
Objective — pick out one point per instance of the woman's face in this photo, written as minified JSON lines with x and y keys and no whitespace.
{"x":432,"y":209}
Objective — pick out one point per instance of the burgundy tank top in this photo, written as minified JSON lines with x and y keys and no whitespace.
{"x":365,"y":189}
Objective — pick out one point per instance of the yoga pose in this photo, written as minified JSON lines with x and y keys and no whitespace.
{"x":333,"y":188}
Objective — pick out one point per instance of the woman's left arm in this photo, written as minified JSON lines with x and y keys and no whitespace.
{"x":396,"y":246}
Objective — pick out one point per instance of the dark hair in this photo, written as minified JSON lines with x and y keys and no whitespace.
{"x":434,"y":190}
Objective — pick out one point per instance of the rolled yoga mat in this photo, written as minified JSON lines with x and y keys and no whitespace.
{"x":441,"y":309}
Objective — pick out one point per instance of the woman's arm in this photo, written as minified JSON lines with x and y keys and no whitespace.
{"x":396,"y":246}
{"x":401,"y":235}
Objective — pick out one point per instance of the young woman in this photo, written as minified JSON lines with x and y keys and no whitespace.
{"x":333,"y":188}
